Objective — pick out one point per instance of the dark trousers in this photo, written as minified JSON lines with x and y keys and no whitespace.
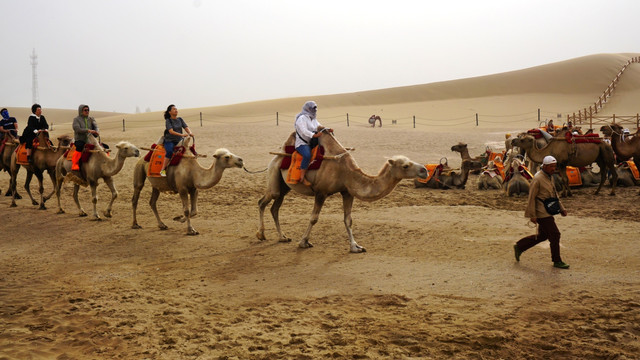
{"x":547,"y":230}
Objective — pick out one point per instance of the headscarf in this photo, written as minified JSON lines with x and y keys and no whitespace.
{"x":310,"y":108}
{"x":5,"y":114}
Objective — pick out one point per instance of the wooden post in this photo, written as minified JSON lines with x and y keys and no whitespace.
{"x":414,"y":121}
{"x":200,"y":118}
{"x":277,"y":118}
{"x":637,"y":120}
{"x":590,"y":118}
{"x":476,"y":119}
{"x":122,"y":125}
{"x":579,"y":117}
{"x":51,"y":126}
{"x":538,"y":116}
{"x":348,"y":120}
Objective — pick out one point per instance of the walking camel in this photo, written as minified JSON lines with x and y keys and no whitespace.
{"x":339,"y":175}
{"x":10,"y":144}
{"x":624,"y":150}
{"x":185,"y":179}
{"x":44,"y":158}
{"x":573,"y":154}
{"x":99,"y":166}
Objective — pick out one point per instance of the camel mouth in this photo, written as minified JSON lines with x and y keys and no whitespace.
{"x":423,"y":173}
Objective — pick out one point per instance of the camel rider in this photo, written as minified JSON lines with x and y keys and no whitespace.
{"x":8,"y":124}
{"x":35,"y":125}
{"x":308,"y":129}
{"x":83,"y":124}
{"x":172,"y":134}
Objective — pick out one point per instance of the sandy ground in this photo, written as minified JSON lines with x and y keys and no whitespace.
{"x":438,"y":280}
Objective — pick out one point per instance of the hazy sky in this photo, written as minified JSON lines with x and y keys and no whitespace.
{"x":116,"y":55}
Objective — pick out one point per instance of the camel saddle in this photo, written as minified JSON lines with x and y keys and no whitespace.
{"x":293,"y":162}
{"x":86,"y":154}
{"x":178,"y":153}
{"x":581,"y":139}
{"x":536,"y":133}
{"x":432,"y":169}
{"x":498,"y":170}
{"x":633,"y":168}
{"x":523,"y":170}
{"x":573,"y":174}
{"x":21,"y":155}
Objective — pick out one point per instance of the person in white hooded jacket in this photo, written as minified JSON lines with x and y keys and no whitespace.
{"x":307,"y":131}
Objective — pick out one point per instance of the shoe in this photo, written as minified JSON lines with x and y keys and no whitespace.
{"x":561,"y":265}
{"x":517,"y":252}
{"x":163,"y":173}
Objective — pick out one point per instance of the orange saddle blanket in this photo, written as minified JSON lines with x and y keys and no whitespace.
{"x":156,"y":161}
{"x":21,"y":155}
{"x":432,"y":169}
{"x":634,"y":169}
{"x":293,"y":163}
{"x":85,"y":154}
{"x":573,"y":173}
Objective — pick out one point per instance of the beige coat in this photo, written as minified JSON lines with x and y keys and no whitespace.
{"x":542,"y":187}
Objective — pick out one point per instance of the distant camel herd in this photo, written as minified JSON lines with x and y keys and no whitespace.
{"x":338,"y":173}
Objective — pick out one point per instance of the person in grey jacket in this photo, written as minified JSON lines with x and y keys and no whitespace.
{"x":83,"y":125}
{"x":542,"y":187}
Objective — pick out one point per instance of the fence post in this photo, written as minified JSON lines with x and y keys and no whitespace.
{"x":538,"y":116}
{"x":200,"y":118}
{"x":637,"y":120}
{"x":414,"y":121}
{"x":122,"y":125}
{"x":590,"y":118}
{"x":277,"y":118}
{"x":51,"y":126}
{"x":476,"y":119}
{"x":347,"y":119}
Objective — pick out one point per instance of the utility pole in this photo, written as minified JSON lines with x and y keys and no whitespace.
{"x":34,"y":77}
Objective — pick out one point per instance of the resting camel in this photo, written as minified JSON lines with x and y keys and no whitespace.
{"x":340,"y":175}
{"x":448,"y":178}
{"x":624,"y":150}
{"x":517,"y":185}
{"x":10,"y":144}
{"x":490,"y":178}
{"x":625,"y":176}
{"x":99,"y":166}
{"x":580,"y":154}
{"x":185,"y":179}
{"x":373,"y":119}
{"x":44,"y":158}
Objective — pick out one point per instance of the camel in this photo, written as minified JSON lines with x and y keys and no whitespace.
{"x":373,"y":119}
{"x":44,"y":158}
{"x":339,"y":175}
{"x":625,"y":176}
{"x":517,"y":185}
{"x":464,"y":155}
{"x":448,"y":179}
{"x":490,"y":178}
{"x":5,"y":159}
{"x":624,"y":149}
{"x":576,"y":154}
{"x":185,"y":179}
{"x":99,"y":166}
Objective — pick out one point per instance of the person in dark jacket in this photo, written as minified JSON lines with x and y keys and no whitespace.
{"x":8,"y":124}
{"x":35,"y":125}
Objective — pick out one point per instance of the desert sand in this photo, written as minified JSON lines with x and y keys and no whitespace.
{"x":438,"y":281}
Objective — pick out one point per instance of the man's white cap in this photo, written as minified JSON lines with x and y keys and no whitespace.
{"x":549,"y":160}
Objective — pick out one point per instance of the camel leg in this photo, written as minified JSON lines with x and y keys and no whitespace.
{"x":81,"y":211}
{"x":277,"y":190}
{"x":566,"y":191}
{"x":13,"y":182}
{"x":53,"y":181}
{"x":58,"y":188}
{"x":317,"y":206}
{"x":347,"y":205}
{"x":41,"y":190}
{"x":114,"y":195}
{"x":614,"y":178}
{"x":193,"y":195}
{"x":155,"y":193}
{"x":184,"y":196}
{"x":139,"y":178}
{"x":27,"y":187}
{"x":94,"y":200}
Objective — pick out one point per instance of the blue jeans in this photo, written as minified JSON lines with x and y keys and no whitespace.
{"x":305,"y":151}
{"x":168,"y":148}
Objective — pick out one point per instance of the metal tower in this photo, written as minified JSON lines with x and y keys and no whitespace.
{"x":34,"y":77}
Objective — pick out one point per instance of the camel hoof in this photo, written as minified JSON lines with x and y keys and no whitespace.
{"x":181,"y":219}
{"x":305,"y":244}
{"x":42,"y":207}
{"x":13,"y":205}
{"x":107,"y":214}
{"x":82,"y":214}
{"x":163,"y":227}
{"x":612,"y":194}
{"x":60,"y":211}
{"x":97,"y":218}
{"x":136,"y":226}
{"x":192,"y":232}
{"x":358,"y":249}
{"x":33,"y":202}
{"x":261,"y":237}
{"x":286,"y":240}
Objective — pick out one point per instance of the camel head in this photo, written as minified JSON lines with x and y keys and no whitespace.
{"x":524,"y":141}
{"x":227,"y":159}
{"x":403,"y":168}
{"x":460,"y":147}
{"x":610,"y":129}
{"x":127,"y":149}
{"x":64,"y":140}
